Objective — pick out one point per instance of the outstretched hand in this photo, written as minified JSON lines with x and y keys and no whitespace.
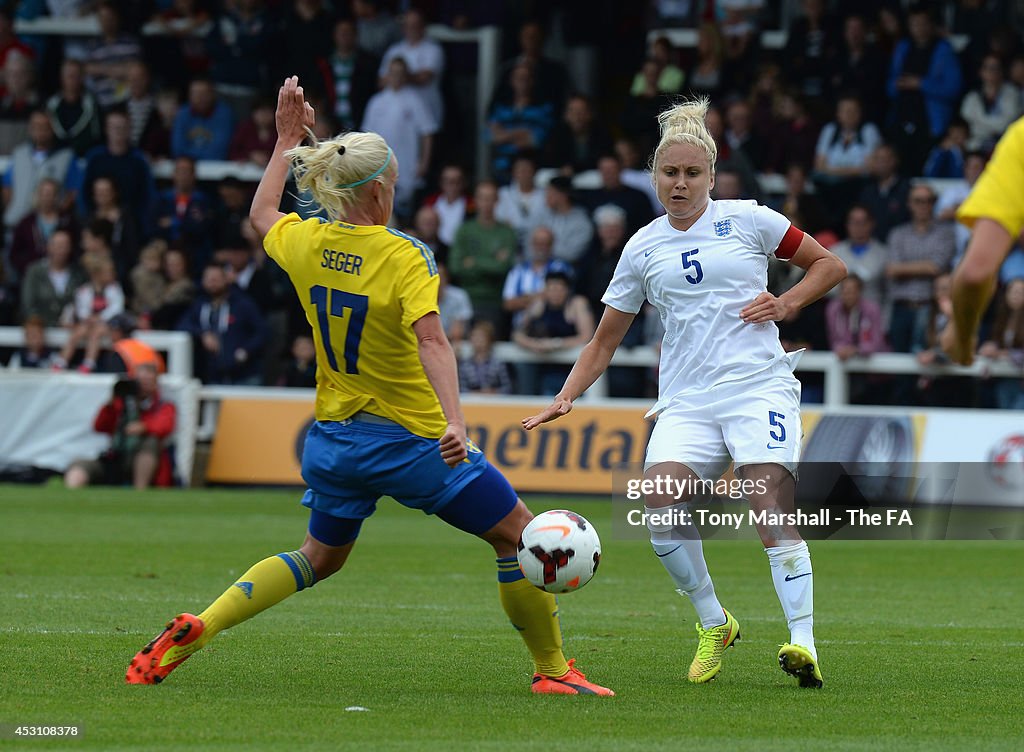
{"x":556,"y":409}
{"x":294,"y":114}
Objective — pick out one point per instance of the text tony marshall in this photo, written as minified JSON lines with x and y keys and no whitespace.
{"x":674,"y":517}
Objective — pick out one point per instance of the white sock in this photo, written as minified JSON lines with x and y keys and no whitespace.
{"x":794,"y":584}
{"x":684,"y":560}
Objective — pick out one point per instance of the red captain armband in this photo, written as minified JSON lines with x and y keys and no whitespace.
{"x":790,"y":242}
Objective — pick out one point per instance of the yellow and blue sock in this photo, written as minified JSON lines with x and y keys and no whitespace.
{"x":534,"y":614}
{"x":267,"y":583}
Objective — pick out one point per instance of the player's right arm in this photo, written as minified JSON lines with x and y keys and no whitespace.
{"x":292,"y":118}
{"x":593,"y":361}
{"x":442,"y":372}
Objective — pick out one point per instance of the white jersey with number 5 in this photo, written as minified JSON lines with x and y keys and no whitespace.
{"x":699,"y":280}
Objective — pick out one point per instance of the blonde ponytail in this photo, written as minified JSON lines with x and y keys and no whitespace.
{"x":336,"y":171}
{"x":684,"y":124}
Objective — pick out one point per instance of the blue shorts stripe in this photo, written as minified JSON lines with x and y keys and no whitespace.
{"x":300,"y":582}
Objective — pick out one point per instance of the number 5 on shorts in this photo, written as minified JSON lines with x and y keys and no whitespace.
{"x":775,"y":419}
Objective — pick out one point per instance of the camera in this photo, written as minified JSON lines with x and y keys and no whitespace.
{"x":125,"y":388}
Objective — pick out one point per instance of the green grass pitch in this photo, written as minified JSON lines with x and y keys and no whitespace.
{"x":922,"y":644}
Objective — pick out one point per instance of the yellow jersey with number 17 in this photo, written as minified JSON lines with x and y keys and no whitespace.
{"x":362,"y":288}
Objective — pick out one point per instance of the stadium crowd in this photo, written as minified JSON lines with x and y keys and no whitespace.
{"x":874,"y":123}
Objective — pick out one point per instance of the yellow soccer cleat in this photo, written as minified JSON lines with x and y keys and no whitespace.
{"x":711,"y":645}
{"x":797,"y":661}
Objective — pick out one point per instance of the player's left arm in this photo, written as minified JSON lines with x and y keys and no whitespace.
{"x":442,"y":372}
{"x":823,"y":272}
{"x":294,"y":114}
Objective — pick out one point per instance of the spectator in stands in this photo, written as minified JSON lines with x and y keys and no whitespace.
{"x":125,"y":236}
{"x":96,"y":241}
{"x":1016,"y":74}
{"x":9,"y":43}
{"x":525,"y":281}
{"x":886,"y":195}
{"x":18,"y":99}
{"x":139,"y":422}
{"x":598,"y":265}
{"x":203,"y":127}
{"x":728,"y":185}
{"x":855,"y":327}
{"x":451,"y":203}
{"x":740,"y":133}
{"x":425,"y":227}
{"x":228,"y":329}
{"x":518,"y":123}
{"x":306,"y":30}
{"x":238,"y":43}
{"x":186,"y":23}
{"x":577,"y":141}
{"x":179,"y":291}
{"x":864,"y":255}
{"x":669,"y":78}
{"x":424,"y":59}
{"x":400,"y":115}
{"x":741,"y":35}
{"x":803,"y":208}
{"x":32,"y":234}
{"x":811,"y":42}
{"x":1006,"y":343}
{"x":556,"y":322}
{"x":454,"y":307}
{"x":919,"y":251}
{"x":377,"y":29}
{"x":184,"y":212}
{"x":955,"y":194}
{"x":36,"y":159}
{"x":350,"y":76}
{"x":245,"y":272}
{"x":640,"y":115}
{"x":148,"y":133}
{"x":614,"y":192}
{"x":481,"y":372}
{"x":550,"y":82}
{"x":521,"y":201}
{"x":841,"y":157}
{"x":924,"y":84}
{"x":49,"y":285}
{"x":859,"y":67}
{"x":635,"y":175}
{"x":483,"y":252}
{"x":707,"y":75}
{"x":991,"y":107}
{"x":300,"y":373}
{"x":73,"y":111}
{"x":125,"y":165}
{"x":108,"y":56}
{"x":791,"y":136}
{"x":96,"y":303}
{"x":34,"y":353}
{"x":727,"y":158}
{"x":946,"y":159}
{"x":230,"y":210}
{"x":254,"y":138}
{"x":569,"y":223}
{"x":147,"y":280}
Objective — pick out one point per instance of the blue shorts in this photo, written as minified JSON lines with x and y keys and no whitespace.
{"x":349,"y":464}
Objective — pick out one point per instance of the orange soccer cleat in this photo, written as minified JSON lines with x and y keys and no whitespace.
{"x":166,"y":651}
{"x":572,"y":683}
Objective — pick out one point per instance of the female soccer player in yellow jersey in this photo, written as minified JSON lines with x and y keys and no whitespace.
{"x":387,"y":401}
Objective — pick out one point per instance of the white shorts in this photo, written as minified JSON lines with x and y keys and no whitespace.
{"x":753,"y":421}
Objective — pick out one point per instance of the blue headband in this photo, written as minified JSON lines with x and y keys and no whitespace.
{"x":369,"y":177}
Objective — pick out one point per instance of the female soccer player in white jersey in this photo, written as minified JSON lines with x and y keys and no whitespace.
{"x":726,"y":385}
{"x":389,"y":421}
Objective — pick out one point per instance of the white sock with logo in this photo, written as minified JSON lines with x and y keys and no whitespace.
{"x":794,"y":584}
{"x":683,"y":557}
